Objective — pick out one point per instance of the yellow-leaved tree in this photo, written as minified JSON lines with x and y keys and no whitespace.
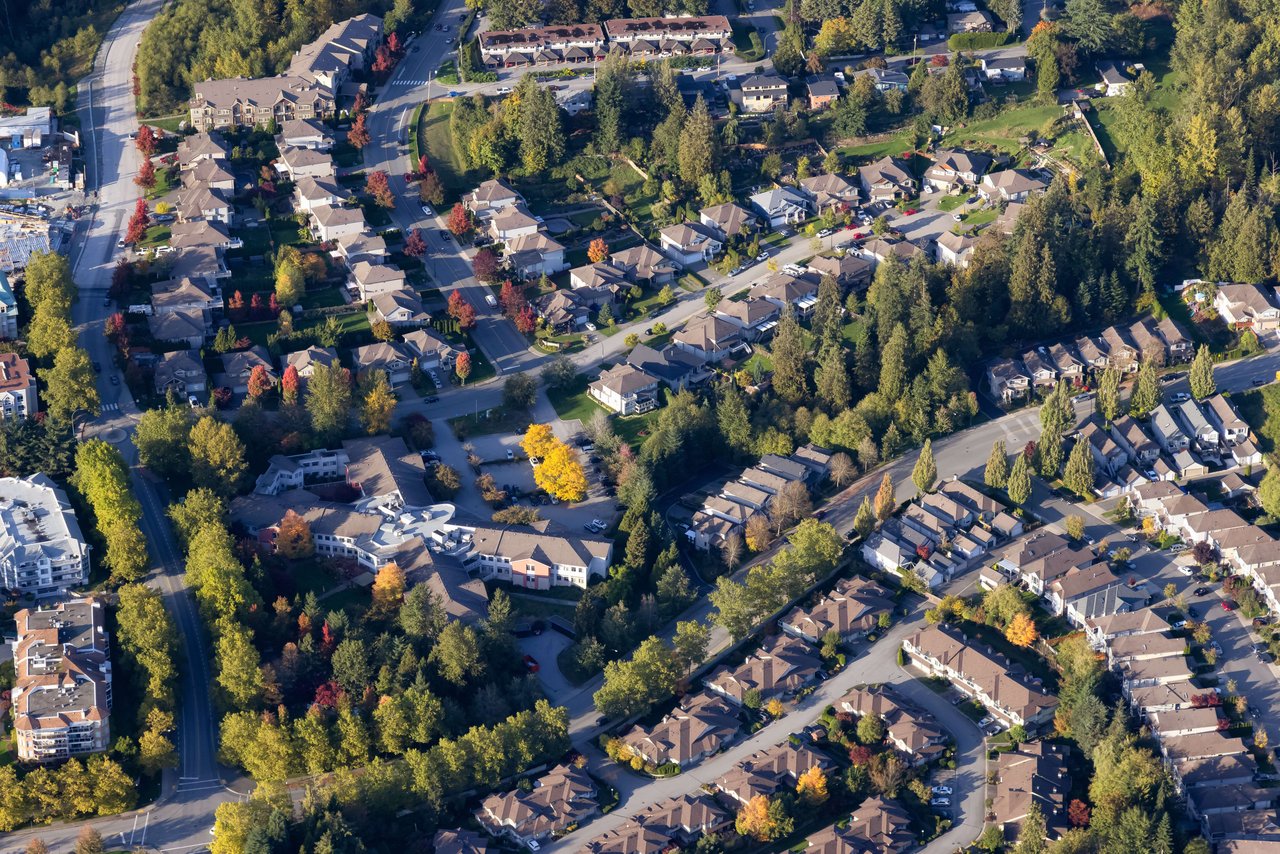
{"x":388,"y":588}
{"x":1021,"y":631}
{"x":538,"y":440}
{"x":293,"y":537}
{"x":561,"y":474}
{"x":812,"y":786}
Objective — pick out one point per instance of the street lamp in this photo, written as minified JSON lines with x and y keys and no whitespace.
{"x":430,"y":74}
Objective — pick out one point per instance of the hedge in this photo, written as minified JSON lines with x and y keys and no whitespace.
{"x":978,"y":41}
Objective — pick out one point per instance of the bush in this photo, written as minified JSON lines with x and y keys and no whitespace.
{"x":977,"y":41}
{"x":902,"y":657}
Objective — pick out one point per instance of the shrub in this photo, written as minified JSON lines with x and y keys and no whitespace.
{"x":977,"y":41}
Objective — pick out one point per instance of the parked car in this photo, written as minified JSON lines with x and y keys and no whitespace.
{"x":1193,"y":612}
{"x":1180,"y":397}
{"x":531,"y":664}
{"x":427,"y":211}
{"x":1202,"y":591}
{"x":940,"y":802}
{"x":1177,"y":548}
{"x":1258,"y":381}
{"x":1228,"y":605}
{"x":942,"y":790}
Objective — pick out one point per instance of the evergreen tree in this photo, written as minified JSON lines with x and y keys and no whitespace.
{"x":1079,"y":474}
{"x":1146,"y":391}
{"x":893,"y":365}
{"x":1019,"y":484}
{"x":789,"y":377}
{"x":1050,"y":449}
{"x":886,"y":503}
{"x":699,"y":146}
{"x":1109,"y":394}
{"x":925,"y":473}
{"x":1203,"y":384}
{"x":833,"y":378}
{"x":864,"y":522}
{"x":996,"y":474}
{"x":733,"y":420}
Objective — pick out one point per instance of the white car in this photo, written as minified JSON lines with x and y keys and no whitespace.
{"x":1180,"y":547}
{"x":426,"y":209}
{"x":504,"y":90}
{"x":942,"y":790}
{"x":591,"y":327}
{"x":1186,"y":570}
{"x":491,"y":300}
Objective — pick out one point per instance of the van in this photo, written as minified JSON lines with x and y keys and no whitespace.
{"x":491,"y":300}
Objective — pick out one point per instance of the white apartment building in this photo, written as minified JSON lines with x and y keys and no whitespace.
{"x":41,"y":548}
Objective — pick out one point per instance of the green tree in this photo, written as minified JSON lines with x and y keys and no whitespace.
{"x":1146,"y":391}
{"x":71,"y":385}
{"x":456,"y":654}
{"x":239,"y":670}
{"x":161,"y":440}
{"x":291,"y":284}
{"x":690,"y":642}
{"x":1203,"y":384}
{"x":378,"y":404}
{"x":864,"y":522}
{"x":894,"y":365}
{"x":699,"y":145}
{"x":1079,"y":475}
{"x":328,"y":401}
{"x":1032,"y":832}
{"x":1269,"y":492}
{"x":1109,"y":394}
{"x":790,"y":379}
{"x":832,"y":376}
{"x":1050,"y":450}
{"x":925,"y":473}
{"x":1019,"y":485}
{"x":996,"y":474}
{"x":1089,"y":23}
{"x":870,"y":729}
{"x":217,"y":457}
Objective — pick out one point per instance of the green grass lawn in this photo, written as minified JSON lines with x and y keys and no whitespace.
{"x":980,"y":217}
{"x":634,"y":429}
{"x":499,"y":420}
{"x":322,"y":298}
{"x":166,"y":180}
{"x":433,"y":129}
{"x":169,"y":123}
{"x":157,"y":235}
{"x":257,"y":241}
{"x":901,"y":141}
{"x":950,"y":203}
{"x":746,"y":42}
{"x":447,"y":73}
{"x":574,"y":402}
{"x":1006,"y":130}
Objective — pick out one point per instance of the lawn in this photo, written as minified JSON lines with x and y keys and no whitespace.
{"x":322,"y":298}
{"x":901,"y":141}
{"x":630,"y":185}
{"x":486,"y":423}
{"x":1261,"y":409}
{"x":574,"y":402}
{"x":157,"y":235}
{"x":981,"y":217}
{"x":256,"y":240}
{"x":950,"y":203}
{"x":746,"y":43}
{"x":166,"y":180}
{"x":433,"y":129}
{"x":1005,"y":131}
{"x":169,"y":123}
{"x":634,"y":429}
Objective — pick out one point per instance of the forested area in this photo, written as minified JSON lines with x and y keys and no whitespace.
{"x":512,"y":14}
{"x":45,"y":45}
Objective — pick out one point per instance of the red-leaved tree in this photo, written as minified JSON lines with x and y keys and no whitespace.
{"x":486,"y":266}
{"x":255,"y":306}
{"x":146,"y":177}
{"x":260,"y":382}
{"x":146,"y":141}
{"x":120,"y":277}
{"x":235,"y":306}
{"x":460,"y":310}
{"x":462,"y":366}
{"x":358,"y":136}
{"x":1078,"y":813}
{"x":414,"y":244}
{"x":289,"y":385}
{"x":510,"y":299}
{"x":526,"y":321}
{"x":378,"y":186}
{"x":459,"y":220}
{"x":138,"y":223}
{"x":114,"y":326}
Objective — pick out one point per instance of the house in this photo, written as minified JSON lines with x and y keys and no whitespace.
{"x":850,"y":271}
{"x":782,"y":289}
{"x":670,"y":365}
{"x":823,"y":92}
{"x":888,"y":79}
{"x":374,"y":280}
{"x":310,"y":193}
{"x":332,"y":222}
{"x":431,"y":350}
{"x":1008,"y":380}
{"x":878,"y":825}
{"x":999,"y":684}
{"x":756,"y":318}
{"x":879,"y":250}
{"x":984,"y":507}
{"x":564,"y":311}
{"x":1170,"y":724}
{"x":952,"y":169}
{"x":354,"y":248}
{"x":305,"y":133}
{"x":1120,"y":353}
{"x":645,"y":265}
{"x":8,"y":309}
{"x":1032,"y":773}
{"x":18,"y":397}
{"x":42,"y":550}
{"x":200,"y":202}
{"x":1246,"y":306}
{"x":700,"y":726}
{"x":1004,"y":69}
{"x":1151,"y":347}
{"x":460,"y":842}
{"x":400,"y":309}
{"x":1043,"y":373}
{"x":729,"y":220}
{"x":831,"y":192}
{"x":886,"y":180}
{"x":1069,"y":368}
{"x":563,"y":797}
{"x":625,"y":389}
{"x":1144,"y":623}
{"x":1137,"y":445}
{"x":531,"y":256}
{"x":690,"y":243}
{"x":1008,"y":218}
{"x":237,"y":367}
{"x":305,"y":362}
{"x":202,"y":234}
{"x":954,"y":249}
{"x":1010,"y":185}
{"x":62,"y":681}
{"x":762,"y":92}
{"x":909,"y":728}
{"x":976,"y":21}
{"x":676,"y":823}
{"x":508,"y":223}
{"x":1232,"y":429}
{"x":211,"y":175}
{"x":770,"y":771}
{"x":1116,"y":78}
{"x":1203,"y":435}
{"x":1108,"y":454}
{"x":491,"y":196}
{"x":852,"y":610}
{"x":710,"y":338}
{"x":391,"y":358}
{"x":600,"y":274}
{"x":537,"y":558}
{"x":184,"y":295}
{"x":201,"y":146}
{"x":1179,"y":346}
{"x":181,"y":373}
{"x":781,"y":668}
{"x":1085,"y":592}
{"x":782,"y":206}
{"x":1165,"y":430}
{"x":296,"y":163}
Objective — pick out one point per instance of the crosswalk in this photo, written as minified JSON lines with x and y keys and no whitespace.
{"x":110,"y":407}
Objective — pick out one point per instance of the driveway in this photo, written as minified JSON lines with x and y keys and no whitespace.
{"x":545,"y":647}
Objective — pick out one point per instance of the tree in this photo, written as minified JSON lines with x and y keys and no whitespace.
{"x":388,"y":588}
{"x":1269,"y":492}
{"x":996,"y":474}
{"x":462,"y":366}
{"x":1079,"y":474}
{"x":293,"y":537}
{"x":1109,"y":394}
{"x":415,"y":245}
{"x":690,"y":642}
{"x":145,"y":140}
{"x":329,"y":401}
{"x":1021,"y":631}
{"x":217,"y":456}
{"x":146,"y":177}
{"x":864,"y":522}
{"x":1019,"y":485}
{"x":72,"y":386}
{"x":461,"y":310}
{"x":520,"y":391}
{"x":459,"y":222}
{"x":378,"y":186}
{"x":925,"y":473}
{"x":699,"y":145}
{"x":290,"y":383}
{"x":358,"y":135}
{"x":761,"y":821}
{"x":378,"y":405}
{"x":712,"y":297}
{"x":561,"y":475}
{"x":1075,"y":527}
{"x":886,"y":503}
{"x":291,"y":283}
{"x":137,"y":229}
{"x":870,"y":729}
{"x":260,"y":382}
{"x":89,"y":841}
{"x":1032,"y":832}
{"x":239,"y":672}
{"x":598,"y":251}
{"x":1146,"y":391}
{"x":456,"y":654}
{"x":1203,"y":384}
{"x":811,"y":787}
{"x":842,"y":469}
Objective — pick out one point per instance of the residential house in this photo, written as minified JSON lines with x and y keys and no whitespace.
{"x":1134,"y":441}
{"x":460,"y":842}
{"x":762,"y":92}
{"x":783,"y":289}
{"x":1043,"y":373}
{"x":887,"y":180}
{"x":401,"y":309}
{"x":984,"y":507}
{"x":1108,"y":455}
{"x":1032,"y":773}
{"x":508,"y":223}
{"x":200,"y":202}
{"x":887,"y":79}
{"x":564,"y":311}
{"x":354,"y":248}
{"x":781,"y":668}
{"x":62,"y":680}
{"x":181,"y":373}
{"x":670,"y":365}
{"x":491,"y":196}
{"x":710,"y":338}
{"x":954,"y":249}
{"x":729,"y":220}
{"x":1203,"y":435}
{"x":880,"y":250}
{"x":952,"y":169}
{"x":690,"y":243}
{"x":297,"y":163}
{"x":770,"y":771}
{"x":850,"y":271}
{"x":238,"y":366}
{"x":1008,"y":380}
{"x":1092,"y":352}
{"x":853,"y":609}
{"x":202,"y":234}
{"x":1165,"y":430}
{"x":1246,"y":306}
{"x":390,"y":357}
{"x":375,"y":280}
{"x":1231,"y":428}
{"x":1116,"y":78}
{"x":201,"y":146}
{"x":1150,"y":346}
{"x":1120,"y":353}
{"x":564,"y":796}
{"x":1011,"y":185}
{"x":305,"y":362}
{"x":700,"y":726}
{"x":908,"y":727}
{"x":310,"y":193}
{"x":332,"y":222}
{"x":878,"y":825}
{"x":1069,"y":368}
{"x":184,"y":295}
{"x":997,"y":683}
{"x":431,"y":350}
{"x":677,"y":823}
{"x":211,"y":175}
{"x":532,"y":256}
{"x":782,"y":206}
{"x":1085,"y":592}
{"x":756,"y":318}
{"x":305,"y":133}
{"x":1004,"y":69}
{"x":645,"y":265}
{"x":600,"y":274}
{"x":823,"y":91}
{"x":1179,"y":346}
{"x":831,"y":192}
{"x":976,"y":21}
{"x":700,"y":35}
{"x":538,"y":558}
{"x":17,"y":388}
{"x":625,"y":389}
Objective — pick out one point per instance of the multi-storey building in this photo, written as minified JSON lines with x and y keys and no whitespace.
{"x":62,"y":696}
{"x":17,"y":388}
{"x":41,"y":548}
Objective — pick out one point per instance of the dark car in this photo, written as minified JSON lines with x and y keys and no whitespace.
{"x":1202,"y":591}
{"x":431,"y":398}
{"x":1259,"y":622}
{"x":531,"y":664}
{"x":1258,"y":381}
{"x":1228,"y":605}
{"x":1193,"y":613}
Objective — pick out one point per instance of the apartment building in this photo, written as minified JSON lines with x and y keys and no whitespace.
{"x":42,"y":550}
{"x":62,"y":693}
{"x":17,"y":388}
{"x":533,"y":558}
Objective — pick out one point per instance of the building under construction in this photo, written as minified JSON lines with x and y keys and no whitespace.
{"x":20,"y":236}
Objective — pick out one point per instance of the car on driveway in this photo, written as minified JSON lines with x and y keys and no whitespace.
{"x":1180,"y":397}
{"x":940,"y":802}
{"x":1202,"y":591}
{"x":427,"y":211}
{"x":115,"y":379}
{"x":531,"y":664}
{"x":1228,"y":605}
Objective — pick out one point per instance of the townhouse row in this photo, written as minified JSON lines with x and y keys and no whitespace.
{"x":649,"y":38}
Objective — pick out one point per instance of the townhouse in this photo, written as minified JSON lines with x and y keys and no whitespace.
{"x":782,"y":667}
{"x":852,"y":609}
{"x":700,"y":726}
{"x":1089,"y":592}
{"x":770,"y":771}
{"x":1032,"y":773}
{"x":910,"y":729}
{"x":668,"y":825}
{"x":564,"y":796}
{"x":878,"y":825}
{"x":997,"y":683}
{"x":886,"y":180}
{"x":698,"y":35}
{"x":575,"y":43}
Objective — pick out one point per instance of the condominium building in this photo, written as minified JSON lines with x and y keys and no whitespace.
{"x":41,"y":548}
{"x":17,"y":388}
{"x":62,"y":696}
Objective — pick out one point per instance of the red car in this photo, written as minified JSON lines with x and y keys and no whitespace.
{"x":858,"y":235}
{"x":1228,"y":606}
{"x":910,"y":212}
{"x":531,"y":664}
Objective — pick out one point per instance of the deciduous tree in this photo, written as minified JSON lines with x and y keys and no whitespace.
{"x":217,"y":456}
{"x":378,"y":186}
{"x":293,"y":537}
{"x":1021,"y":631}
{"x":598,"y":251}
{"x":378,"y":404}
{"x":414,"y":244}
{"x":388,"y":588}
{"x":462,"y":366}
{"x":561,"y":474}
{"x":1203,"y":384}
{"x":925,"y":473}
{"x":329,"y":401}
{"x":461,"y":310}
{"x":72,"y":386}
